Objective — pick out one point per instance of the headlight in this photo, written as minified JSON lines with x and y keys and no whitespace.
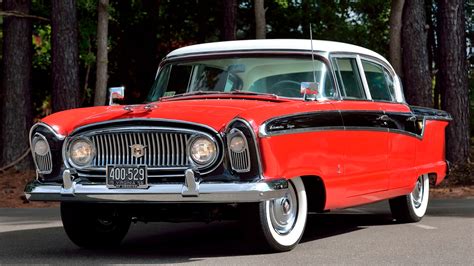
{"x":237,"y":144}
{"x":202,"y":150}
{"x":41,"y":147}
{"x":81,"y":151}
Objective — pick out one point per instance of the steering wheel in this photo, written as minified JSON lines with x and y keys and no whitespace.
{"x":287,"y":88}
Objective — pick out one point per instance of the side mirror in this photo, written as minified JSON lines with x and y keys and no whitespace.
{"x":309,"y":90}
{"x":116,"y":93}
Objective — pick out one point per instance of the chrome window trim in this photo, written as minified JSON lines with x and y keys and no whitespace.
{"x":91,"y":132}
{"x":232,"y":133}
{"x":320,"y":55}
{"x":384,"y":64}
{"x":255,"y":140}
{"x":364,"y":78}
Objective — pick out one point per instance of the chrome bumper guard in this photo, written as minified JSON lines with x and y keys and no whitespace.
{"x":190,"y":191}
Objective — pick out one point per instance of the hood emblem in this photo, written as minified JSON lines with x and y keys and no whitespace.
{"x":138,"y":150}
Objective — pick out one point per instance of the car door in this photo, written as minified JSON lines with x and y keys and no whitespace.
{"x":365,"y":137}
{"x":399,"y":120}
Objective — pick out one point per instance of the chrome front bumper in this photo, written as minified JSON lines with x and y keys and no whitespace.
{"x":190,"y":191}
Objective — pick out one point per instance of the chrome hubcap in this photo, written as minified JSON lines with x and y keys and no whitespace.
{"x":417,"y":193}
{"x":283,"y":211}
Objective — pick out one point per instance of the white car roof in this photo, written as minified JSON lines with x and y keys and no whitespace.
{"x":275,"y":45}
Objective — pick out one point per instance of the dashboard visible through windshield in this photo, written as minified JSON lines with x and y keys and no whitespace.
{"x":280,"y":76}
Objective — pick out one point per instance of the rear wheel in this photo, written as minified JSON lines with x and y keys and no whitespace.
{"x":278,"y":225}
{"x":94,"y":226}
{"x":412,"y":207}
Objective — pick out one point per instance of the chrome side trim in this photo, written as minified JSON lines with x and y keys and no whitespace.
{"x":255,"y":140}
{"x":189,"y":192}
{"x":263,"y":133}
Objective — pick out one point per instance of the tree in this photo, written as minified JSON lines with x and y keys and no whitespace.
{"x":230,"y":19}
{"x":65,"y":60}
{"x":102,"y":58}
{"x":15,"y":108}
{"x":396,"y":12}
{"x":416,"y":73}
{"x":453,"y":77}
{"x":260,"y":21}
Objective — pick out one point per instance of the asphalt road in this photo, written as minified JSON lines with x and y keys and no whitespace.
{"x":362,"y":235}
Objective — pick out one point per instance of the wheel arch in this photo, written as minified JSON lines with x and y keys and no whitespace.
{"x":315,"y":192}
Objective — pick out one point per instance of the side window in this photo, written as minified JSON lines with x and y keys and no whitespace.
{"x":348,"y":77}
{"x":380,"y":82}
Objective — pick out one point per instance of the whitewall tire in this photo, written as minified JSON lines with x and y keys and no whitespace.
{"x":279,"y":224}
{"x":412,"y":207}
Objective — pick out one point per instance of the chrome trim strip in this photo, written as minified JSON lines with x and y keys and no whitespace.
{"x":363,"y":78}
{"x":142,"y":120}
{"x":204,"y":192}
{"x":262,"y":131}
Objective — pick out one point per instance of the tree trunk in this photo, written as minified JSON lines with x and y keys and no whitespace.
{"x":453,"y":77}
{"x":102,"y":34}
{"x":15,"y":107}
{"x":230,"y":20}
{"x":260,"y":22}
{"x":396,"y":13}
{"x":65,"y":59}
{"x":416,"y":73}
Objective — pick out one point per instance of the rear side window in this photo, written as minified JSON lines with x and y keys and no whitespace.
{"x":380,"y":82}
{"x":348,"y":77}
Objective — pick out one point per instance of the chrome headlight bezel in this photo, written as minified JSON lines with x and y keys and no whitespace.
{"x":69,"y":151}
{"x":43,"y":161}
{"x":38,"y":138}
{"x":239,"y":158}
{"x":211,"y":160}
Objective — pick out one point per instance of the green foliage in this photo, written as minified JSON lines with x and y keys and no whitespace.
{"x":42,"y":46}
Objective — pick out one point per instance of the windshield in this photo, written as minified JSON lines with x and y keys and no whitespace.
{"x":281,"y":76}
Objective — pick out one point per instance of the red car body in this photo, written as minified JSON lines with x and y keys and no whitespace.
{"x":319,"y":151}
{"x":357,"y":166}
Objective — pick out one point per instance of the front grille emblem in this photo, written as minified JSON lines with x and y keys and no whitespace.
{"x":138,"y":150}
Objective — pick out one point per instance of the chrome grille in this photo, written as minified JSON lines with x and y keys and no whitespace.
{"x":239,"y":161}
{"x":161,"y":149}
{"x":44,"y":163}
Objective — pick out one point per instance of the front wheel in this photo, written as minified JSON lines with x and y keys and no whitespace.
{"x":412,"y":207}
{"x":278,"y":225}
{"x":94,"y":226}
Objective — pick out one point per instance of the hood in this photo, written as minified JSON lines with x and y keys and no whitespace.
{"x":215,"y":113}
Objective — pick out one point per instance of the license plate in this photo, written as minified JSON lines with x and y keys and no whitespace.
{"x":127,"y":176}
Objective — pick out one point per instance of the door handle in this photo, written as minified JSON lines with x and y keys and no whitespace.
{"x":411,"y":118}
{"x":383,"y":118}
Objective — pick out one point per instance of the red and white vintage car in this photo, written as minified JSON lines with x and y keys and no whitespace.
{"x":261,"y":130}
